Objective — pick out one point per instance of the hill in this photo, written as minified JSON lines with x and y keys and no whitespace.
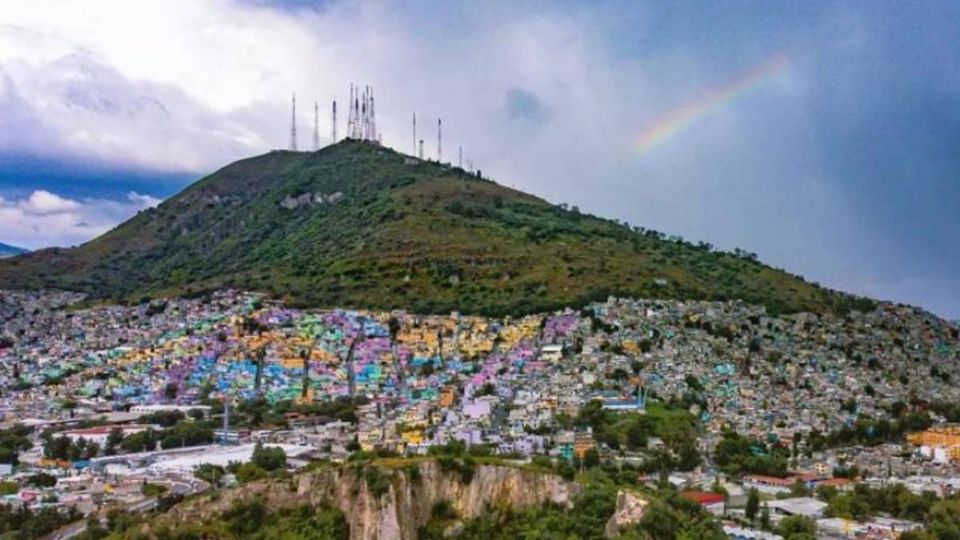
{"x":6,"y":250}
{"x":359,"y":225}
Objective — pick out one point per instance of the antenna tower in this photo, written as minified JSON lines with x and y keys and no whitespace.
{"x":350,"y":113}
{"x":293,"y":125}
{"x":414,"y":134}
{"x":460,"y":156}
{"x":357,"y":121}
{"x":363,"y":114}
{"x":439,"y":140}
{"x":333,"y":124}
{"x":421,"y":149}
{"x":373,"y":119}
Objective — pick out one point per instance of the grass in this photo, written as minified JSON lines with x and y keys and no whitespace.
{"x":426,"y":238}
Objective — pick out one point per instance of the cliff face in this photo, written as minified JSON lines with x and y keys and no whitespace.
{"x":393,"y":504}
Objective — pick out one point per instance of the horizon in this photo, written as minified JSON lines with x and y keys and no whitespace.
{"x":810,"y":134}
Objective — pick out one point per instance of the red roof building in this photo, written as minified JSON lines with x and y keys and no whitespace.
{"x":704,"y":498}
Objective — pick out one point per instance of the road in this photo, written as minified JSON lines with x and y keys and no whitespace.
{"x":178,"y":486}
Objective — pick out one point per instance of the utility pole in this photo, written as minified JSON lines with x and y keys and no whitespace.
{"x":226,"y":418}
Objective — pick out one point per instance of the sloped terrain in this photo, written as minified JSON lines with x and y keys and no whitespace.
{"x":359,"y":225}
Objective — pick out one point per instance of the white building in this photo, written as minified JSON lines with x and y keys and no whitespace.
{"x":100,"y":434}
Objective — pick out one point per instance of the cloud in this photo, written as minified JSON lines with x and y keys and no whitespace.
{"x":43,"y":202}
{"x":525,"y":105}
{"x":44,"y":219}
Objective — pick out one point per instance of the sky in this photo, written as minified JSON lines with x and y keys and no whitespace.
{"x":823,"y":136}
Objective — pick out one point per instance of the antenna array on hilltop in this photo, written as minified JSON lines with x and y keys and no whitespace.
{"x":362,"y":116}
{"x":362,"y":125}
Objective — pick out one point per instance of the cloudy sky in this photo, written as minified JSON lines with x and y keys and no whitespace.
{"x":823,"y":136}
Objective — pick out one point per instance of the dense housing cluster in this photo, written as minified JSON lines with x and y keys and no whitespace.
{"x":111,"y":397}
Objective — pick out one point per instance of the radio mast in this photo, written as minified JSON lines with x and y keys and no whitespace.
{"x":333,"y":124}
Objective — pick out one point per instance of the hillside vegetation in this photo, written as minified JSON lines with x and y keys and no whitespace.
{"x":374,"y":230}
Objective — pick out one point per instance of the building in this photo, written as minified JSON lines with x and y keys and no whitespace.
{"x":715,"y":503}
{"x":583,"y":442}
{"x":100,"y":434}
{"x":771,"y":485}
{"x":797,"y":506}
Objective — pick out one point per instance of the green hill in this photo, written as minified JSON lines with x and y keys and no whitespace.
{"x":365,"y":226}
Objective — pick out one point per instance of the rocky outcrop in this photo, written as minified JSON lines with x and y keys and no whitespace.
{"x":630,"y":510}
{"x":393,"y":503}
{"x":309,"y":199}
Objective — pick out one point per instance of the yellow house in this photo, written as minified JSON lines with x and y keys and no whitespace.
{"x":948,"y":436}
{"x":414,"y":437}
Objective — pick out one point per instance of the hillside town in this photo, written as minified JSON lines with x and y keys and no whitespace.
{"x":121,"y":406}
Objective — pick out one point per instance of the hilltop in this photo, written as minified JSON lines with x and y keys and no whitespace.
{"x":359,"y":225}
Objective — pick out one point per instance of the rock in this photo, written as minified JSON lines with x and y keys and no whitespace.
{"x":453,"y":530}
{"x":406,"y":506}
{"x":630,"y":510}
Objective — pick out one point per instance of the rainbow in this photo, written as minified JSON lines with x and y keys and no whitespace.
{"x":683,"y":117}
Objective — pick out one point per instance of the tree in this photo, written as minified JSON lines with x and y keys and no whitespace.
{"x":591,"y":458}
{"x":753,"y":504}
{"x":848,"y":506}
{"x":164,"y":418}
{"x":689,"y":457}
{"x":660,"y":522}
{"x":799,"y":489}
{"x":249,"y":472}
{"x":246,"y":517}
{"x":636,"y":436}
{"x":57,"y":448}
{"x":269,"y":458}
{"x":114,"y":439}
{"x":143,"y":441}
{"x":797,"y":528}
{"x":393,"y":324}
{"x":210,"y":473}
{"x":42,"y":480}
{"x":187,"y":434}
{"x":765,"y":518}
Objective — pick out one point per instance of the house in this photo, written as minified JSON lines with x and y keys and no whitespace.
{"x":743,"y":533}
{"x":551,"y":353}
{"x":771,"y":485}
{"x":564,"y":445}
{"x":583,"y":442}
{"x":714,"y":503}
{"x":797,"y":506}
{"x":100,"y":434}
